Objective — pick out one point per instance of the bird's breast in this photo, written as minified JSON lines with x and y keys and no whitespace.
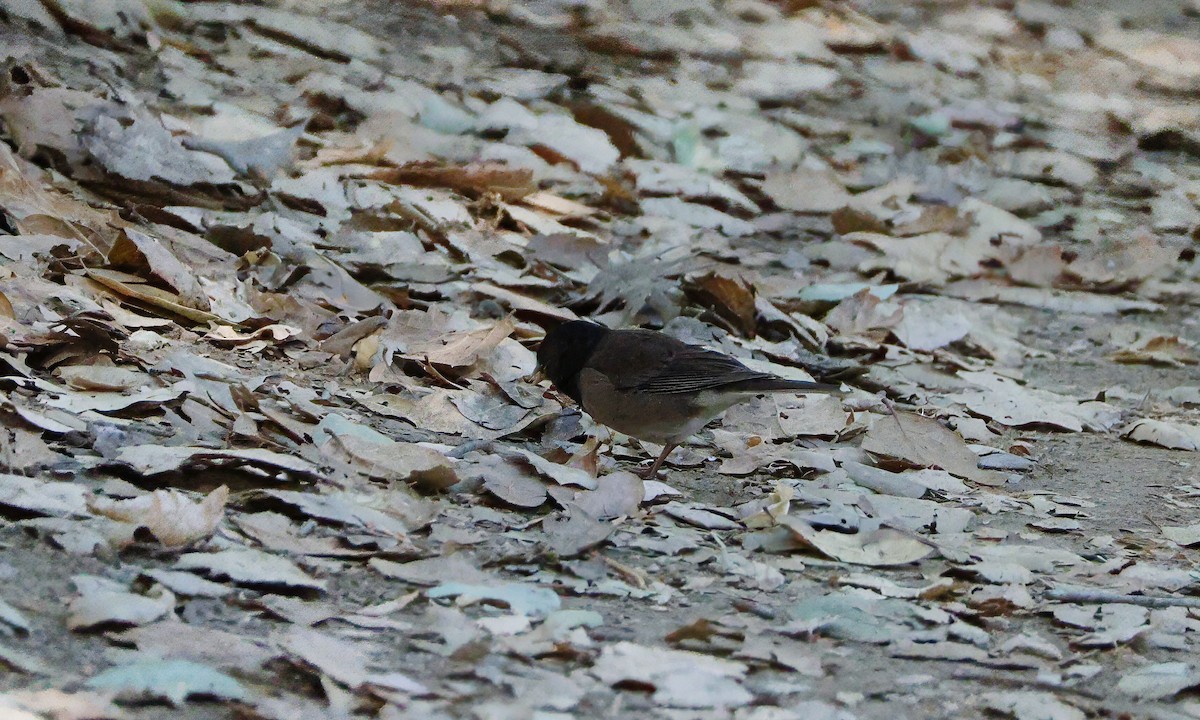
{"x":654,"y":417}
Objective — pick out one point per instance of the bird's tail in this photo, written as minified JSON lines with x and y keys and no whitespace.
{"x":771,"y":383}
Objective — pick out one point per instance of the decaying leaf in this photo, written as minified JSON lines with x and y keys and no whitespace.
{"x":880,"y":548}
{"x":509,"y":183}
{"x":60,"y":705}
{"x":679,"y":678}
{"x":158,"y":459}
{"x":525,"y":599}
{"x":1177,"y":436}
{"x":574,"y":531}
{"x":387,"y":459}
{"x":924,"y":442}
{"x":102,"y":602}
{"x":305,"y":252}
{"x":1159,"y":350}
{"x":253,"y":568}
{"x":617,"y":494}
{"x":170,"y":680}
{"x":172,"y":517}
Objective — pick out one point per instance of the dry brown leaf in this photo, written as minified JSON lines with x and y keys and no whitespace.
{"x":617,"y":494}
{"x":251,"y":568}
{"x":935,"y":218}
{"x":574,"y":531}
{"x":1003,"y":400}
{"x":848,"y":220}
{"x":925,"y":442}
{"x":145,"y":256}
{"x":206,"y":645}
{"x":342,"y":660}
{"x":731,"y":298}
{"x":171,"y":516}
{"x":464,"y":349}
{"x":509,"y":183}
{"x":423,"y":467}
{"x":373,"y":153}
{"x":58,"y":705}
{"x":809,"y":191}
{"x":517,"y":301}
{"x":864,"y":315}
{"x":879,"y":548}
{"x":558,"y":205}
{"x":266,"y":336}
{"x":1177,"y":436}
{"x":152,"y":459}
{"x":104,"y":602}
{"x":1167,"y":350}
{"x":1039,"y":266}
{"x":508,"y":482}
{"x":102,"y":378}
{"x":1123,"y":265}
{"x":130,"y":286}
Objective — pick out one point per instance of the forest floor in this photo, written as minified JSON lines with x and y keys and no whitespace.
{"x":272,"y":276}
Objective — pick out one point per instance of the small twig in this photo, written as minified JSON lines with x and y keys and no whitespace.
{"x":1152,"y":521}
{"x":1076,"y":659}
{"x":631,"y":574}
{"x":1106,"y":596}
{"x":891,"y":408}
{"x":470,"y":446}
{"x":429,"y":368}
{"x":984,"y":676}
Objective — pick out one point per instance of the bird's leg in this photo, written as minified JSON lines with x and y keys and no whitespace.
{"x":653,"y":471}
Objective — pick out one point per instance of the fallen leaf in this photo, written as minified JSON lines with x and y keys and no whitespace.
{"x":171,"y":680}
{"x":43,"y":497}
{"x":101,"y":378}
{"x":58,"y":705}
{"x":1186,"y":535}
{"x":1170,"y":351}
{"x":574,"y":531}
{"x":924,"y":442}
{"x":1177,"y":436}
{"x":679,"y":678}
{"x":102,"y":602}
{"x":507,"y":182}
{"x":158,"y":459}
{"x":423,"y":467}
{"x":879,"y":548}
{"x":171,"y":639}
{"x":251,"y":568}
{"x":1159,"y":681}
{"x":617,"y":494}
{"x":525,"y":599}
{"x":171,"y":516}
{"x":340,"y":659}
{"x":433,"y":571}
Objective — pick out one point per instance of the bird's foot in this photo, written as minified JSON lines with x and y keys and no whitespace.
{"x":649,"y":473}
{"x":652,"y":473}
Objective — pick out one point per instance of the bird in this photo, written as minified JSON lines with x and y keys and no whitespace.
{"x":649,"y":385}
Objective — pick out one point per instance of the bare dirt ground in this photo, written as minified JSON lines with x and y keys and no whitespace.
{"x":271,"y":279}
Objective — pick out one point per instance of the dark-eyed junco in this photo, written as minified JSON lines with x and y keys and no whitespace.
{"x":649,"y":385}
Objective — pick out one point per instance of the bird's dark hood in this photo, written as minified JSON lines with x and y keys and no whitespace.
{"x":566,"y":350}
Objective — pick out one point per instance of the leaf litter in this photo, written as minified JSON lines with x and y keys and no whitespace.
{"x":274,"y":280}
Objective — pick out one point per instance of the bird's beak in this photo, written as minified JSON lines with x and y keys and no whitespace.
{"x":536,"y":377}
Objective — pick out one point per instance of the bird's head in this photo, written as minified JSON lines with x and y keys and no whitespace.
{"x":564,"y":352}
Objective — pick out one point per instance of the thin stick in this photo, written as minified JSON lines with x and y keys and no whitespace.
{"x":990,"y":676}
{"x":632,"y":574}
{"x":1105,"y":596}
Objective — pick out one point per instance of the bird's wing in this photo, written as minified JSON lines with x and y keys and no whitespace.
{"x":649,"y":362}
{"x":697,"y":369}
